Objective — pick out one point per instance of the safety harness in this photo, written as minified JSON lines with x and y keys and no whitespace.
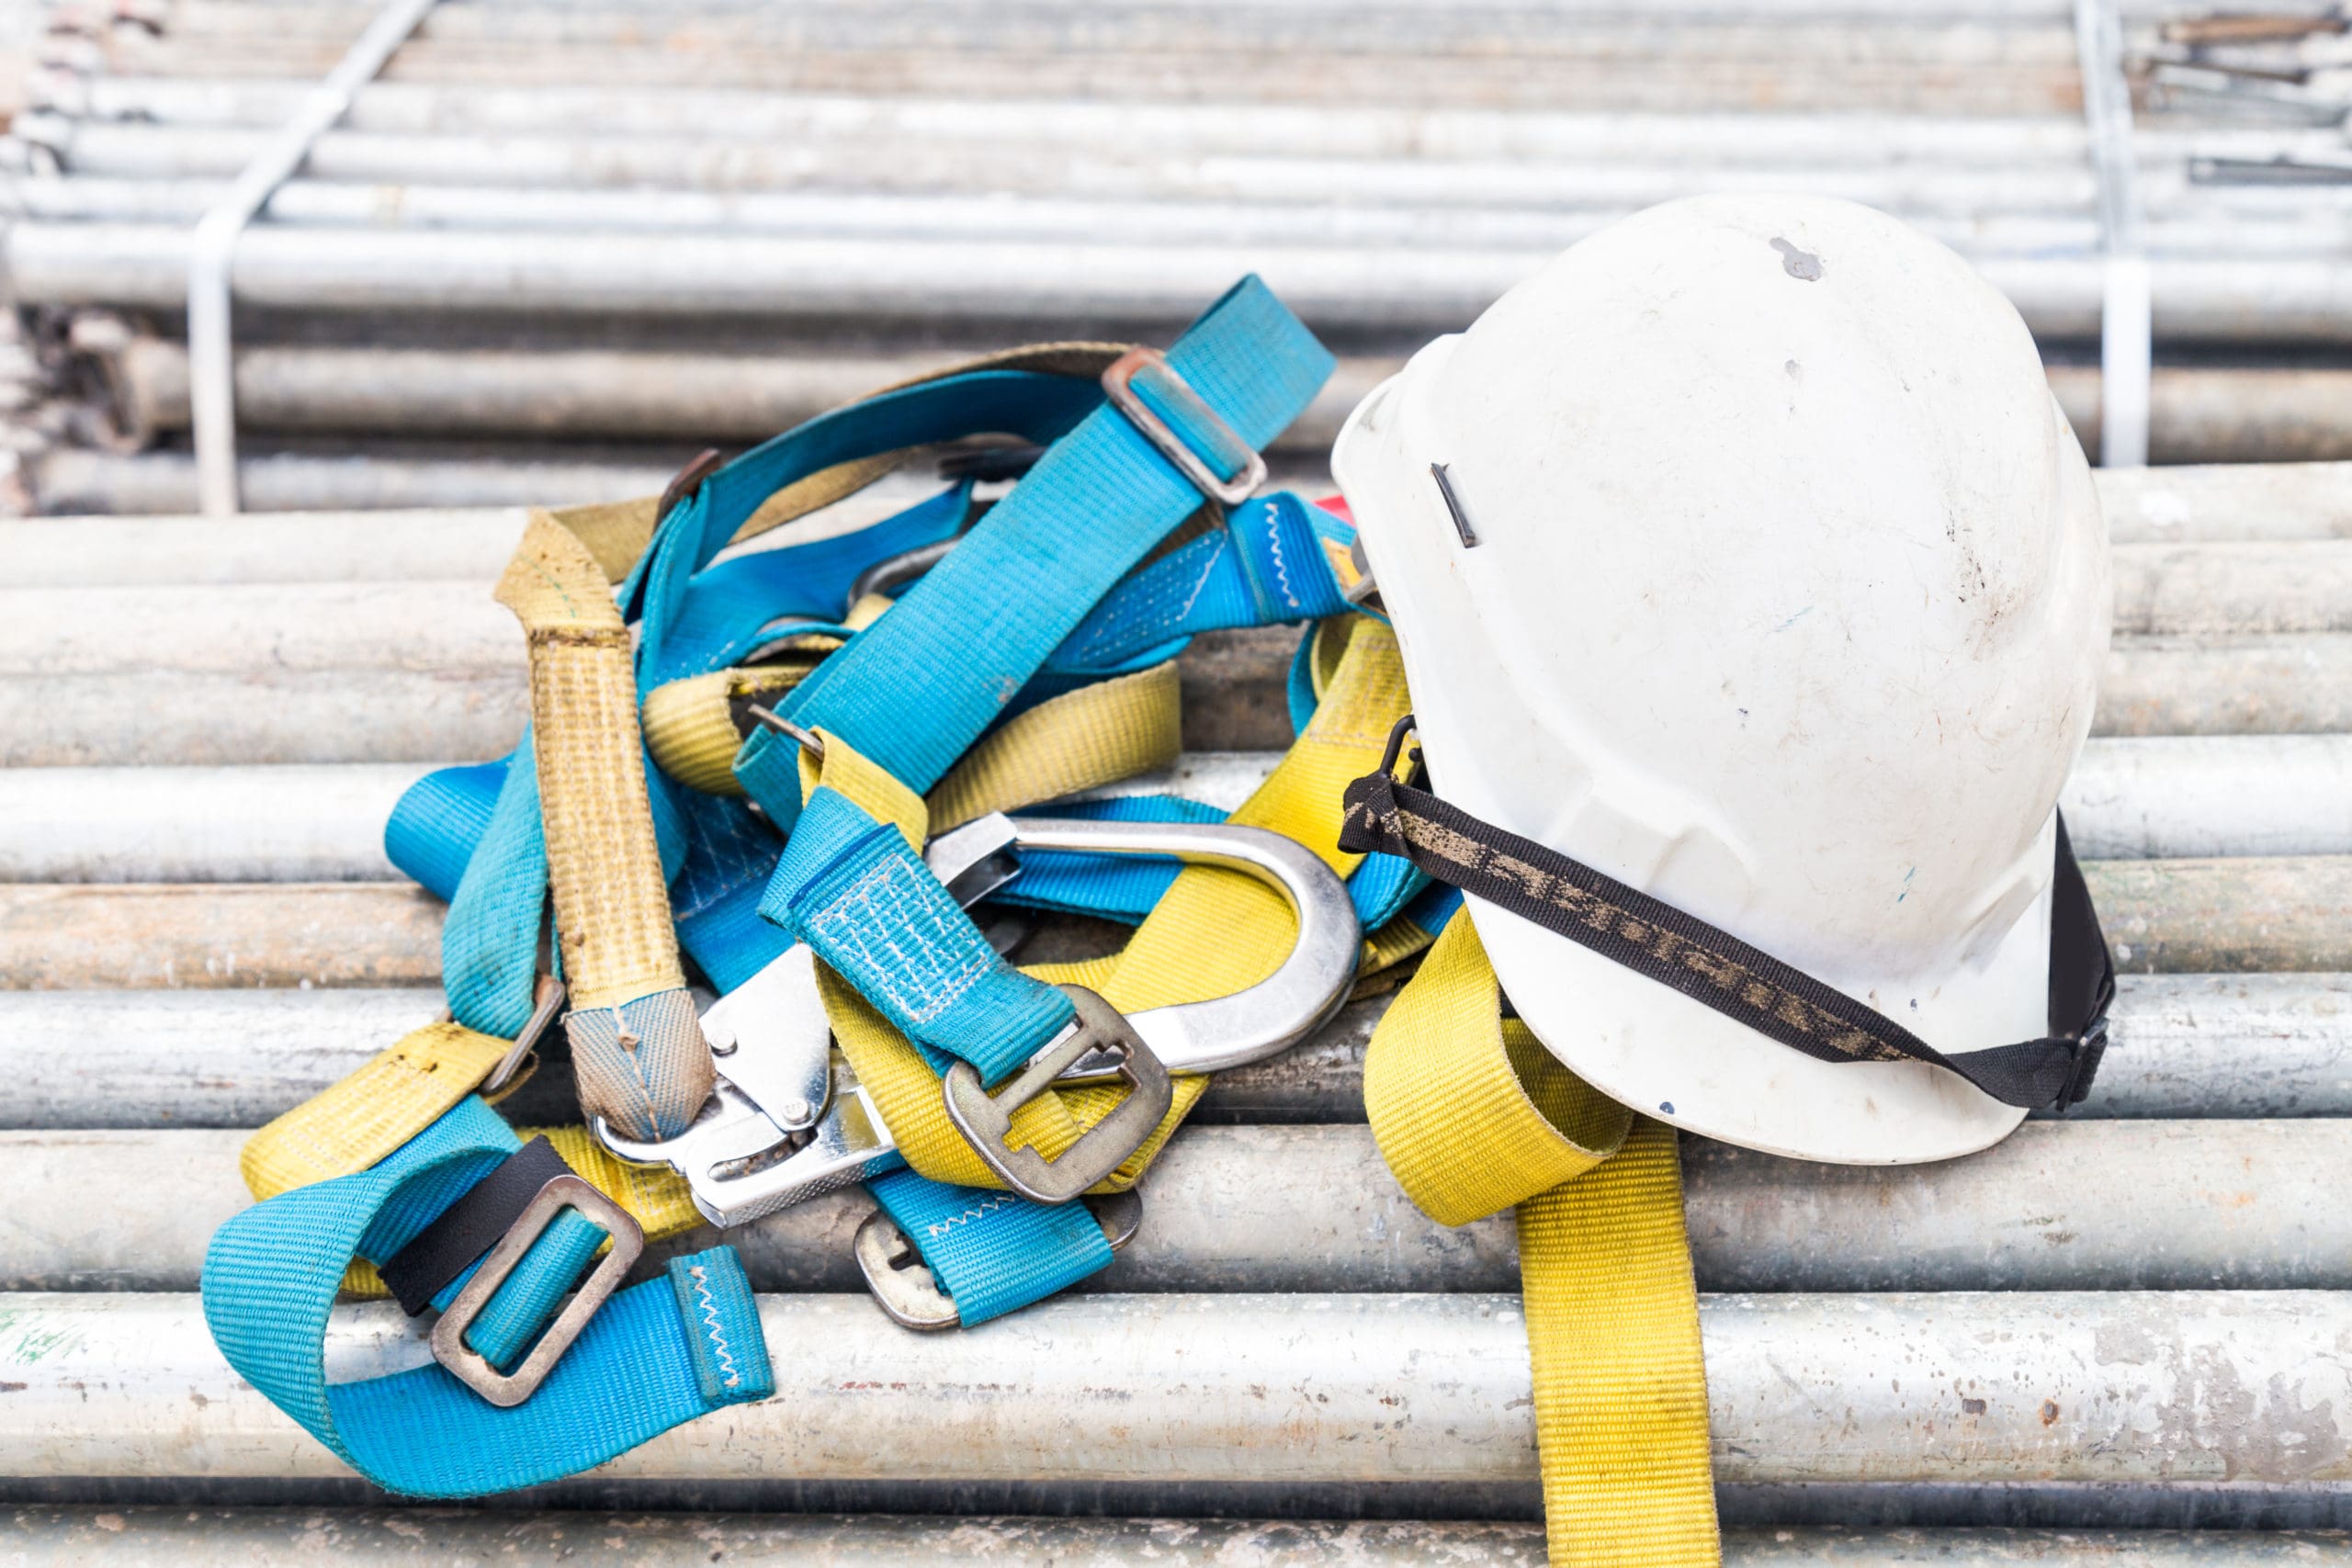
{"x":770,"y":820}
{"x":809,"y":794}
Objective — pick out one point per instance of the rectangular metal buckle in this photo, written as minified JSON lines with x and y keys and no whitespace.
{"x":469,"y":1365}
{"x":1118,"y":382}
{"x":986,"y":1118}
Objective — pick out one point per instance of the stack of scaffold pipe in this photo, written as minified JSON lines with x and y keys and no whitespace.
{"x":551,"y":250}
{"x":2118,"y":1337}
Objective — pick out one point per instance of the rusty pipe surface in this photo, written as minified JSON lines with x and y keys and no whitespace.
{"x":2144,"y":798}
{"x":2058,"y":1206}
{"x":2248,"y":915}
{"x":2184,"y":1046}
{"x":2118,"y":1386}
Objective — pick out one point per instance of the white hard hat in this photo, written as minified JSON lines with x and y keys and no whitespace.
{"x":1742,"y":555}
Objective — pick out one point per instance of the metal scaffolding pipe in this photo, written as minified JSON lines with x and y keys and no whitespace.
{"x":2244,"y":593}
{"x":2235,"y":502}
{"x":2009,"y":73}
{"x":2184,"y":1046}
{"x":70,"y":480}
{"x":2275,"y":685}
{"x":2176,"y":917}
{"x":415,"y":1537}
{"x":2198,"y":414}
{"x":633,"y":395}
{"x":2201,"y":796}
{"x":2112,"y":1386}
{"x":2058,"y":1206}
{"x":2234,"y":300}
{"x":1233,"y":694}
{"x":2227,"y":500}
{"x":2210,"y":414}
{"x":1199,"y":207}
{"x":1367,"y":130}
{"x":2148,"y":798}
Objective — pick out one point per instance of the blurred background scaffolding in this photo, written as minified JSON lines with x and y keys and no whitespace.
{"x":553,"y":249}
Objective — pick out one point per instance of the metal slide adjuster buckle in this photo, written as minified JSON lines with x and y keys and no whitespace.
{"x":1172,"y":389}
{"x":1100,"y":1032}
{"x":469,"y":1365}
{"x":903,"y":1285}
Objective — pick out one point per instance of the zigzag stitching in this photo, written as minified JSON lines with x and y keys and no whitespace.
{"x":938,"y":1228}
{"x":717,"y":1334}
{"x":1274,"y":547}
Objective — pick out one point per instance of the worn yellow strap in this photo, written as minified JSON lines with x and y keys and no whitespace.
{"x":1083,"y":740}
{"x":647,"y":1072}
{"x":1213,"y":932}
{"x":377,"y":1108}
{"x":612,"y":904}
{"x":1473,"y":1116}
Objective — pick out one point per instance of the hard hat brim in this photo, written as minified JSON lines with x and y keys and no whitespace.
{"x":1667,"y":1055}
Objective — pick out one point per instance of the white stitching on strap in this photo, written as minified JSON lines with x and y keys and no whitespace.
{"x":717,"y":1334}
{"x":938,"y":1228}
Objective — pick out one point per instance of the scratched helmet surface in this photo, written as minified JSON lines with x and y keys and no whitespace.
{"x":1787,"y":605}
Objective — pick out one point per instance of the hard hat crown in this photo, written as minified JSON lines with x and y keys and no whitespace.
{"x":1788,"y":602}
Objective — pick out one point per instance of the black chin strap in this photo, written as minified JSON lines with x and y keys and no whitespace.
{"x":1571,"y":899}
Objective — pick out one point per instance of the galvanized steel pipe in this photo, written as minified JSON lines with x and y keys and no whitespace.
{"x":2287,"y":795}
{"x":416,"y":1537}
{"x":2115,"y":1386}
{"x":2248,"y":915}
{"x":2198,"y":413}
{"x":2058,"y":1206}
{"x":2228,"y":300}
{"x":2184,"y":1046}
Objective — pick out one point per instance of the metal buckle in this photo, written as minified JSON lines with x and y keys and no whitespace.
{"x":466,"y":1364}
{"x":909,"y":1295}
{"x":1118,"y":383}
{"x":547,"y":1001}
{"x":685,"y":481}
{"x":1098,"y":1033}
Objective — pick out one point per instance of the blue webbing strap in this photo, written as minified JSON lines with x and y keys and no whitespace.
{"x":851,"y":888}
{"x":953,"y":657}
{"x":653,"y":1355}
{"x":915,"y":689}
{"x":993,"y":1252}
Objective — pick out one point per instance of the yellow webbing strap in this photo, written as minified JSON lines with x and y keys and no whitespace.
{"x":383,"y":1103}
{"x":1473,"y":1116}
{"x":1213,"y":933}
{"x":1083,"y":740}
{"x":612,"y":901}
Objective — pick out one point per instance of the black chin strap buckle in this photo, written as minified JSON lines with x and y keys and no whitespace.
{"x":2090,"y":1047}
